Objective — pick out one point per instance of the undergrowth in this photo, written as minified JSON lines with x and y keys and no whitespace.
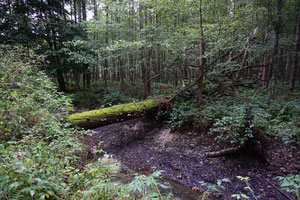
{"x":228,"y":116}
{"x":39,"y":157}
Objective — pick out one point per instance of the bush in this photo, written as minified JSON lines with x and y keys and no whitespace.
{"x":278,"y":119}
{"x":29,"y":103}
{"x":181,"y":114}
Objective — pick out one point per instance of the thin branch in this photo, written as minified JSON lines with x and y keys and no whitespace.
{"x":246,"y":44}
{"x":281,"y":192}
{"x":197,"y":80}
{"x":3,"y":160}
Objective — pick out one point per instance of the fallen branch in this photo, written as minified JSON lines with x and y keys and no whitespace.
{"x":223,"y":152}
{"x":281,"y":192}
{"x":198,"y":79}
{"x":252,"y":37}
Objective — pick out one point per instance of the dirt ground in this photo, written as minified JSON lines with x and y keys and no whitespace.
{"x":145,"y":146}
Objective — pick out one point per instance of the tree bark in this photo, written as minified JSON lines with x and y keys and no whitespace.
{"x":277,"y":28}
{"x":201,"y":60}
{"x":61,"y":81}
{"x":296,"y":50}
{"x":265,"y":62}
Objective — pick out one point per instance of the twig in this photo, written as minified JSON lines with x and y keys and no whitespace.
{"x":3,"y":160}
{"x":281,"y":192}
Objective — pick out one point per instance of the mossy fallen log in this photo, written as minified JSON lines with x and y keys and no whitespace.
{"x":104,"y":116}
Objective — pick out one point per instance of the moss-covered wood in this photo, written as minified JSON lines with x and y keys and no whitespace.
{"x":96,"y":118}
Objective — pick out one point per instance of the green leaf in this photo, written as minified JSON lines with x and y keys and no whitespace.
{"x":32,"y":192}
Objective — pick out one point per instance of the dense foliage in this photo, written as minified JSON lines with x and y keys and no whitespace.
{"x":226,"y":117}
{"x":39,"y":155}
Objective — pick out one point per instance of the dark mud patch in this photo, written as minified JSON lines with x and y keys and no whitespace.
{"x":148,"y":146}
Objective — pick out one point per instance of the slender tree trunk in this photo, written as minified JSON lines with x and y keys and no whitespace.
{"x":84,"y":79}
{"x":201,"y":59}
{"x":265,"y":62}
{"x":77,"y":79}
{"x":277,"y":28}
{"x":143,"y":65}
{"x":131,"y":56}
{"x":61,"y":81}
{"x":79,"y":11}
{"x":88,"y":72}
{"x":83,"y":3}
{"x":95,"y":67}
{"x":106,"y":42}
{"x":296,"y":50}
{"x":75,"y":11}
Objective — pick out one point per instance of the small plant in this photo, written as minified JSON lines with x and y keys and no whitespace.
{"x":182,"y":113}
{"x":290,"y":183}
{"x":213,"y":188}
{"x":142,"y":187}
{"x":232,"y":126}
{"x":248,"y":187}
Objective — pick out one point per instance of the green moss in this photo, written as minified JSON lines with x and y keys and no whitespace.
{"x":106,"y":113}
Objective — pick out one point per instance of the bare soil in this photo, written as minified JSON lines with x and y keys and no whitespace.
{"x":145,"y":145}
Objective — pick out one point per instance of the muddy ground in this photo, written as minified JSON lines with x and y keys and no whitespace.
{"x":145,"y":146}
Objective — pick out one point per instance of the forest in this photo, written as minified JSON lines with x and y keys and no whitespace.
{"x":150,"y":99}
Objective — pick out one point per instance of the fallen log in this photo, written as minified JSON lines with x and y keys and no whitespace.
{"x":118,"y":113}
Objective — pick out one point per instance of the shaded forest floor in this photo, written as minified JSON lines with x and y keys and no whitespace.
{"x":145,"y":146}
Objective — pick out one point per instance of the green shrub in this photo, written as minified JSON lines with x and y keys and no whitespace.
{"x":29,"y":103}
{"x":182,"y":113}
{"x":277,"y":119}
{"x":232,"y":126}
{"x":228,"y":117}
{"x":35,"y":169}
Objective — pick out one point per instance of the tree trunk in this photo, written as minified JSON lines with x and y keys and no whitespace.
{"x":83,"y":3}
{"x":296,"y":50}
{"x":201,"y":60}
{"x":95,"y":8}
{"x":96,"y":118}
{"x":77,"y":79}
{"x":61,"y":81}
{"x":79,"y":11}
{"x":106,"y":42}
{"x":265,"y":62}
{"x":75,"y":11}
{"x":277,"y":28}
